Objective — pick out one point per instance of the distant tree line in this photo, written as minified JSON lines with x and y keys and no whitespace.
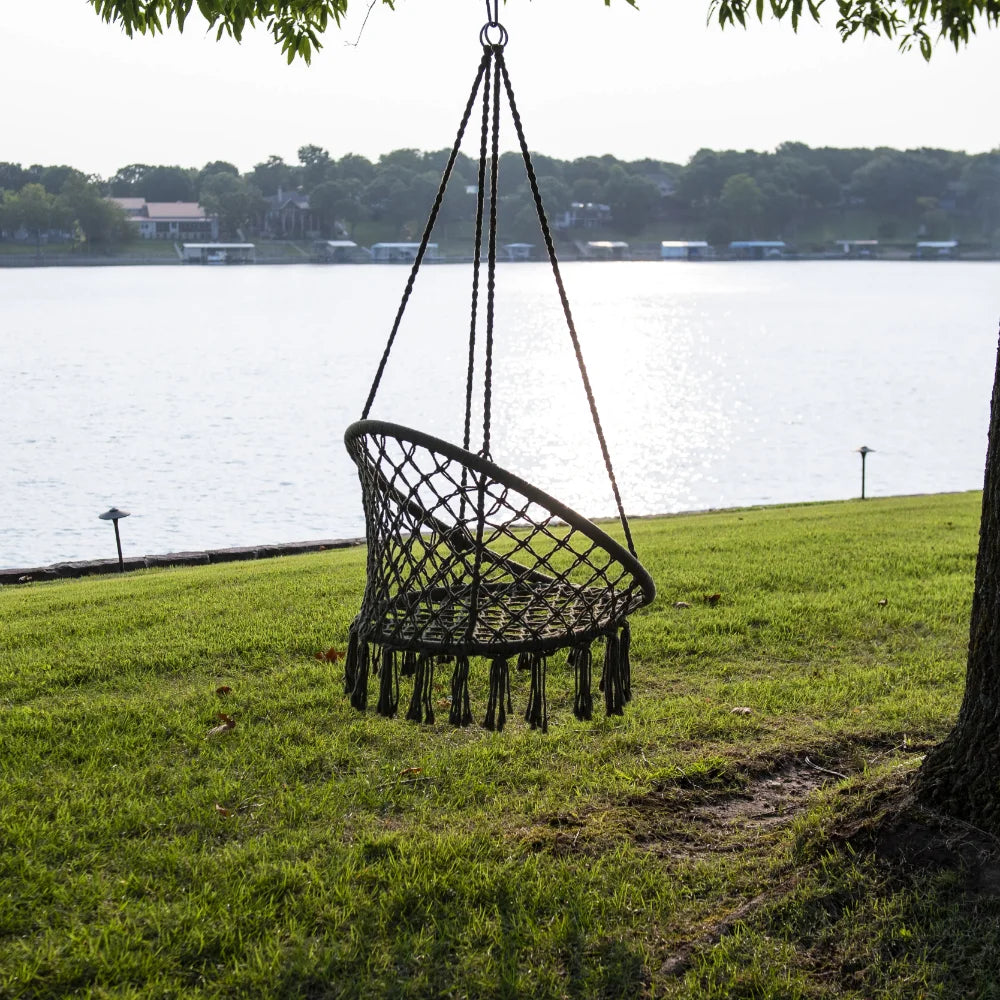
{"x":40,"y":200}
{"x":797,"y":193}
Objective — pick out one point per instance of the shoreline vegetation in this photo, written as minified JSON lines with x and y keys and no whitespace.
{"x":190,"y":807}
{"x":808,"y":199}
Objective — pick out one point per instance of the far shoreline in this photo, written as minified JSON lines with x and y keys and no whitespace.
{"x":14,"y":261}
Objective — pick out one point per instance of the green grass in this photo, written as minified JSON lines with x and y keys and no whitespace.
{"x":682,"y":850}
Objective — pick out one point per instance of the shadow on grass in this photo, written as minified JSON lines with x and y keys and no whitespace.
{"x":890,"y":901}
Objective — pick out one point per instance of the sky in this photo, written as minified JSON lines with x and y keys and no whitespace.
{"x":589,"y":79}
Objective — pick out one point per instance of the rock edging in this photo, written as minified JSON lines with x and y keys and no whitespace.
{"x":94,"y":567}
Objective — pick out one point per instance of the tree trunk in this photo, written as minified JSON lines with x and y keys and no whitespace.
{"x":962,"y":776}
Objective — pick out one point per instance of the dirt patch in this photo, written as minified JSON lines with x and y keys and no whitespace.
{"x":758,"y":801}
{"x":769,"y":800}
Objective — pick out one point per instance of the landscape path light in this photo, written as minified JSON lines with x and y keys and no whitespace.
{"x":115,"y":515}
{"x":863,"y":451}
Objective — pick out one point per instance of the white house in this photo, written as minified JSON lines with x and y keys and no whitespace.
{"x":583,"y":215}
{"x":169,"y":220}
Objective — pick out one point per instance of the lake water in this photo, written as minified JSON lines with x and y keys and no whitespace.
{"x":211,"y":402}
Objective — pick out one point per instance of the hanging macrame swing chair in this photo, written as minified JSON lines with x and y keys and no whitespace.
{"x":466,"y":559}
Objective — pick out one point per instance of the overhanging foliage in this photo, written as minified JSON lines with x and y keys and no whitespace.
{"x":298,"y":24}
{"x":295,"y":24}
{"x":913,"y":22}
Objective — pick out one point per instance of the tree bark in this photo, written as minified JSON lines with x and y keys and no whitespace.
{"x":961,"y":776}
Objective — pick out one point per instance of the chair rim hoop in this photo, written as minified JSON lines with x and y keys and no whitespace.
{"x":363,"y":428}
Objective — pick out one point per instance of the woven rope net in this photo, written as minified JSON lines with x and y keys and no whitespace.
{"x":466,"y":558}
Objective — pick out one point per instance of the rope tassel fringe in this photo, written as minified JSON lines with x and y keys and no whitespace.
{"x":389,"y":665}
{"x":581,"y":660}
{"x":499,"y":703}
{"x":461,"y":711}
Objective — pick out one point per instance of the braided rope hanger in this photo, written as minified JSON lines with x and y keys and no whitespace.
{"x":464,"y":557}
{"x":493,"y":54}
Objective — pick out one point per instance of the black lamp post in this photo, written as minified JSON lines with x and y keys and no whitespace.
{"x":115,"y":515}
{"x":863,"y":451}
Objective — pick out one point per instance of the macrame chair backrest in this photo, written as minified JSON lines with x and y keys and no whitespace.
{"x":464,"y":558}
{"x":467,"y":558}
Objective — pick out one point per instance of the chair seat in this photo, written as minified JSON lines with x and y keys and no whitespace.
{"x":466,"y":558}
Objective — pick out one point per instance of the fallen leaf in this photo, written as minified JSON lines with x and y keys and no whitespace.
{"x":712,"y":599}
{"x":681,"y":604}
{"x":223,"y":690}
{"x":227,"y":726}
{"x":331,"y":655}
{"x":741,"y":710}
{"x":221,"y":810}
{"x":411,"y":770}
{"x":883,"y":602}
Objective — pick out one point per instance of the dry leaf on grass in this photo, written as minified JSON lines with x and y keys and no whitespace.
{"x":712,"y":599}
{"x":227,"y":724}
{"x":681,"y":604}
{"x":330,"y":656}
{"x":741,"y":710}
{"x":223,"y":690}
{"x":883,"y":602}
{"x":221,"y":810}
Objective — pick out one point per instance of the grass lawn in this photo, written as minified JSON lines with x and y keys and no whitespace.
{"x":684,"y":850}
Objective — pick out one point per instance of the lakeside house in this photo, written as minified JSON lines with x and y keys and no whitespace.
{"x":685,"y":250}
{"x":583,"y":215}
{"x":169,"y":220}
{"x":289,"y":217}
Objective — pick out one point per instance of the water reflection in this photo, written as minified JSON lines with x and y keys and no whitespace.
{"x":212,"y":402}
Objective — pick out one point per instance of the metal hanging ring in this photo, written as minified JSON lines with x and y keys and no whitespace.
{"x":487,"y":41}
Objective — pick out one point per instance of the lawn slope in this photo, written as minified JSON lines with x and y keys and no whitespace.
{"x":685,"y":849}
